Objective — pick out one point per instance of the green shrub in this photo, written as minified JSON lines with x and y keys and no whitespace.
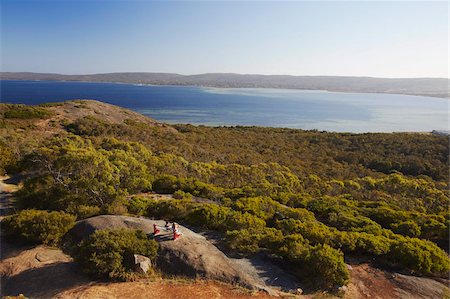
{"x":248,"y":241}
{"x":370,"y":244}
{"x":37,"y":226}
{"x":224,"y":219}
{"x":292,"y":248}
{"x":20,"y":296}
{"x":116,"y":207}
{"x":166,"y":184}
{"x":238,"y":220}
{"x":210,"y":216}
{"x":27,"y":112}
{"x":419,"y":256}
{"x":84,"y":211}
{"x":271,"y":239}
{"x":328,"y":265}
{"x":384,"y":216}
{"x":322,"y":265}
{"x":433,"y":229}
{"x":179,"y":194}
{"x":169,"y":209}
{"x":6,"y":157}
{"x":242,"y":241}
{"x":110,"y":253}
{"x":138,"y":205}
{"x":406,"y":228}
{"x":299,"y":214}
{"x":52,"y":104}
{"x":87,"y":126}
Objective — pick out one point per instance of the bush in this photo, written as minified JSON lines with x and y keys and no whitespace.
{"x":165,"y":184}
{"x":419,"y":256}
{"x":370,"y":244}
{"x":87,"y":126}
{"x":27,"y":112}
{"x":20,"y":296}
{"x":84,"y":211}
{"x":249,"y":241}
{"x":6,"y":157}
{"x":117,"y":207}
{"x":328,"y":264}
{"x":243,"y":241}
{"x":223,"y":219}
{"x":321,"y":264}
{"x":138,"y":205}
{"x":406,"y":228}
{"x":261,"y":207}
{"x":169,"y":209}
{"x":210,"y":216}
{"x":37,"y":226}
{"x":52,"y":104}
{"x":179,"y":194}
{"x":110,"y":253}
{"x":238,"y":220}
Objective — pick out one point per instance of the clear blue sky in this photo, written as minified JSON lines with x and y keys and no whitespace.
{"x":382,"y":39}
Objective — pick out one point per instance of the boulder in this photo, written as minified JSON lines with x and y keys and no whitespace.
{"x":192,"y":255}
{"x":142,"y":263}
{"x":84,"y":228}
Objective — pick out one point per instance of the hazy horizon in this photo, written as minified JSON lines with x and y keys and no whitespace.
{"x":231,"y":73}
{"x":351,"y":39}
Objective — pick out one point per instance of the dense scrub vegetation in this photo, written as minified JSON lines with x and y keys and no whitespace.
{"x":331,"y":155}
{"x":310,"y":198}
{"x":293,"y":233}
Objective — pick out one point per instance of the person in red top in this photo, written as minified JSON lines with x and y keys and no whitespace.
{"x":176,"y":231}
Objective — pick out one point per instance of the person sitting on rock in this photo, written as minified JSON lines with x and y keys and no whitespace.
{"x":155,"y":229}
{"x":176,"y":231}
{"x":167,"y":226}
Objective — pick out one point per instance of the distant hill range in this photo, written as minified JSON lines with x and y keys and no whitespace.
{"x":434,"y":87}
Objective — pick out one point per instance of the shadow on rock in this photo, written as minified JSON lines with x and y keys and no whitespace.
{"x":44,"y":282}
{"x":11,"y":249}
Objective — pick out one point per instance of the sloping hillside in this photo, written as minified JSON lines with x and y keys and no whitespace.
{"x":70,"y":111}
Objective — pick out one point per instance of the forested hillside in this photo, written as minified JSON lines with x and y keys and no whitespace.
{"x":310,"y":198}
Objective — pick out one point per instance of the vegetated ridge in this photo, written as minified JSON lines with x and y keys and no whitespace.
{"x":434,"y":87}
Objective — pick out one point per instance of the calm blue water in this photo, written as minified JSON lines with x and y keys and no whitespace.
{"x":331,"y":111}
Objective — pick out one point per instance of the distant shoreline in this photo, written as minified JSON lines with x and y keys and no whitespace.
{"x":214,"y":87}
{"x":427,"y":87}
